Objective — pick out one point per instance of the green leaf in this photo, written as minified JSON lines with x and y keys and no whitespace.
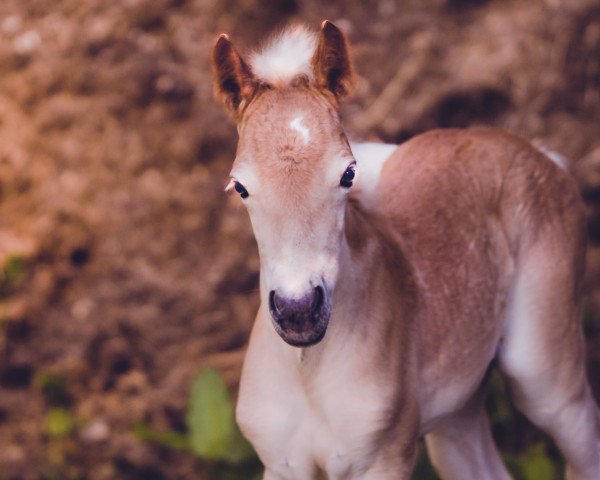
{"x":171,"y":439}
{"x":536,"y":465}
{"x":213,"y":433}
{"x":59,"y":422}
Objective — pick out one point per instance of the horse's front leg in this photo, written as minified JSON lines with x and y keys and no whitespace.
{"x":400,"y":468}
{"x":398,"y":453}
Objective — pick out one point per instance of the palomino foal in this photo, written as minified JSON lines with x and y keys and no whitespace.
{"x":391,"y":278}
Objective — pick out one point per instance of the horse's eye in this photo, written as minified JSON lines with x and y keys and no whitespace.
{"x":241,"y":190}
{"x":347,"y":177}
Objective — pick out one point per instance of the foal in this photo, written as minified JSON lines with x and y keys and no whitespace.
{"x":392,"y":276}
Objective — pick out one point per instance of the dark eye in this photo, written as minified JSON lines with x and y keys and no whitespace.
{"x":241,"y":190}
{"x":347,"y":177}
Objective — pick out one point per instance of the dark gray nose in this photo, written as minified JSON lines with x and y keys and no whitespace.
{"x":300,"y":321}
{"x":284,"y":308}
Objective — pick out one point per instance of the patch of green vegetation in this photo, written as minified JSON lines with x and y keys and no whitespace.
{"x":212,"y":433}
{"x":13,"y":269}
{"x":171,"y":439}
{"x":535,"y":464}
{"x":53,"y":387}
{"x":59,"y":423}
{"x":11,"y":272}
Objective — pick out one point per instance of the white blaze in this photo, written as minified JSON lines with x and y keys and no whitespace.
{"x":296,"y":124}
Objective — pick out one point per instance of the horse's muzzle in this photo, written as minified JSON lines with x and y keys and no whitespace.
{"x":301,"y":322}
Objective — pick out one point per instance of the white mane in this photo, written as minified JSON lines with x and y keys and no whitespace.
{"x":287,"y":55}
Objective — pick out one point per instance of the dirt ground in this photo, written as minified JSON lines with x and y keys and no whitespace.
{"x":134,"y":268}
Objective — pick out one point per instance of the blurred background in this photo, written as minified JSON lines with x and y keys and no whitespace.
{"x":125,"y":270}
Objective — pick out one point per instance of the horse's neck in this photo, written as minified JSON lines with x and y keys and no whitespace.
{"x":373,"y":300}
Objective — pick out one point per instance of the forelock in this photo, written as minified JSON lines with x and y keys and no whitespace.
{"x":285,"y":57}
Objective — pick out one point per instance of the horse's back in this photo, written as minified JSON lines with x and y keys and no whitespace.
{"x":447,"y":192}
{"x":476,"y":197}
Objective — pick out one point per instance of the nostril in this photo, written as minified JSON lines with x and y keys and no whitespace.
{"x":273,"y":304}
{"x":317,"y":299}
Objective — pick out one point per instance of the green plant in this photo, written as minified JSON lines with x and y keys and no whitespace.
{"x":59,"y":423}
{"x":212,"y":434}
{"x":535,"y":463}
{"x":12,"y":270}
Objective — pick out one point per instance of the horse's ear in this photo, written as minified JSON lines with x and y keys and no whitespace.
{"x":331,"y":61}
{"x":234,"y":81}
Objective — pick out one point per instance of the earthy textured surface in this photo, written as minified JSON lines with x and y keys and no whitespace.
{"x":139,"y":271}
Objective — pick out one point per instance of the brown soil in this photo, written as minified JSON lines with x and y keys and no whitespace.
{"x":139,"y":271}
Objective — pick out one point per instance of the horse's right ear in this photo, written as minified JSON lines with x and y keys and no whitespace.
{"x":234,"y":81}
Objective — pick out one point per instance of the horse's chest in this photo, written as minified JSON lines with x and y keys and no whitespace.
{"x":324,"y":442}
{"x":326,"y":430}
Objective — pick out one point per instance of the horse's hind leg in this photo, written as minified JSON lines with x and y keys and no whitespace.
{"x":462,"y":446}
{"x":543,"y":355}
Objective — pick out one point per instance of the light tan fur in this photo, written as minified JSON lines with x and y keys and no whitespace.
{"x":468,"y":248}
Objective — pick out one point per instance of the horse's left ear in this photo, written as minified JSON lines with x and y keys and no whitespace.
{"x":235,"y":82}
{"x":331,"y":61}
